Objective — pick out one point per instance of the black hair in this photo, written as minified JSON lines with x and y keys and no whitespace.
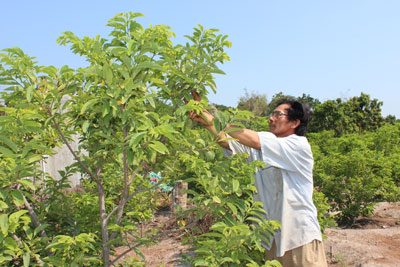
{"x":298,"y":111}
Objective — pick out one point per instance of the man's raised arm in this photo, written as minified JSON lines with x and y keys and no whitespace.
{"x":244,"y":136}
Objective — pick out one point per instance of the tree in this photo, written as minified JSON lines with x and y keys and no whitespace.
{"x":275,"y":100}
{"x":358,"y":114}
{"x":127,"y":106}
{"x":221,"y":107}
{"x":391,"y":119}
{"x":312,"y":102}
{"x":256,"y":103}
{"x":365,"y":112}
{"x":330,"y":115}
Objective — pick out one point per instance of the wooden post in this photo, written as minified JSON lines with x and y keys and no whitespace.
{"x":178,"y":197}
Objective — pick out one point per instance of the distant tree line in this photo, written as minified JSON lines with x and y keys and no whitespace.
{"x":355,"y":115}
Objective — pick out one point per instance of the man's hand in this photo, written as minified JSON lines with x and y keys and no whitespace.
{"x":205,"y":117}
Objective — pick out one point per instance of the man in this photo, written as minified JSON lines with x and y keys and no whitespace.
{"x":285,"y":184}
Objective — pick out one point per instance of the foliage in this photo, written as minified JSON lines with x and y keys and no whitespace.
{"x":325,"y":220}
{"x":220,"y":107}
{"x":259,"y":124}
{"x":310,"y":101}
{"x":275,"y":100}
{"x":358,"y":114}
{"x":191,"y":67}
{"x":356,"y":171}
{"x":127,"y":109}
{"x":31,"y":202}
{"x":391,"y":119}
{"x":256,"y":103}
{"x":73,"y":250}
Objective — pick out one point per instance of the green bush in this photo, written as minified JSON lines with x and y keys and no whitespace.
{"x":356,"y":171}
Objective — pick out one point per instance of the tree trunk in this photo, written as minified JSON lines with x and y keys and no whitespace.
{"x":104,"y":224}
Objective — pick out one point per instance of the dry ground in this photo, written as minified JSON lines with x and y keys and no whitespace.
{"x":373,"y":241}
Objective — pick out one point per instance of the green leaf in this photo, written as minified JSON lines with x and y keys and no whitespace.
{"x":55,"y":260}
{"x":9,"y":143}
{"x":10,"y":243}
{"x":134,"y":141}
{"x":107,"y":74}
{"x":31,"y":76}
{"x":217,"y":125}
{"x":7,"y":152}
{"x":255,"y":221}
{"x":151,"y":101}
{"x":216,"y":199}
{"x":218,"y":71}
{"x":203,"y":250}
{"x":3,"y":205}
{"x":89,"y":104}
{"x":14,"y":217}
{"x":235,"y":184}
{"x":227,"y":259}
{"x":201,"y":262}
{"x":28,"y":232}
{"x":233,"y":208}
{"x":213,"y":234}
{"x":27,"y":259}
{"x":233,"y":130}
{"x":85,"y":126}
{"x":6,"y":119}
{"x":149,"y":65}
{"x":34,"y":158}
{"x":29,"y":93}
{"x":17,"y":197}
{"x":40,"y":228}
{"x":159,"y":147}
{"x":4,"y":223}
{"x":27,"y":184}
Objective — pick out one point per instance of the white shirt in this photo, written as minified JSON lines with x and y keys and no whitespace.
{"x":285,"y":187}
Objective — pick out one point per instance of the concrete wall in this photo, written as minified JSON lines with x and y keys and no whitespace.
{"x":60,"y":160}
{"x":63,"y":158}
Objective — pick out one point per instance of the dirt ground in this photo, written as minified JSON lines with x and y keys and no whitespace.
{"x":371,"y":242}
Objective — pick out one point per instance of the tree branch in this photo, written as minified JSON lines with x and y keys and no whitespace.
{"x":92,"y":176}
{"x":32,"y":214}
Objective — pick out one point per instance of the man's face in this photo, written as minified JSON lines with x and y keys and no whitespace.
{"x":279,"y":123}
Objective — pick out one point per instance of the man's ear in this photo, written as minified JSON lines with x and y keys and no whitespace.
{"x":295,"y":124}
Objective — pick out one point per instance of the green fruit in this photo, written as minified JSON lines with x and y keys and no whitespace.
{"x":210,"y":155}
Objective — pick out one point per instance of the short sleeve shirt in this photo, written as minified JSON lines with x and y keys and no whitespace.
{"x":285,"y":187}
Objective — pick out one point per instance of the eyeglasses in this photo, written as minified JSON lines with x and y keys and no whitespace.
{"x":276,"y":114}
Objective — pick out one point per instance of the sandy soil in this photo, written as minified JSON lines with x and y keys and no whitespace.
{"x":373,"y":241}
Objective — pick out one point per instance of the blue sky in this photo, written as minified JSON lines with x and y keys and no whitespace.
{"x":327,"y":49}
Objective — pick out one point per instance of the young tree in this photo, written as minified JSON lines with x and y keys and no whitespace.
{"x":127,"y":107}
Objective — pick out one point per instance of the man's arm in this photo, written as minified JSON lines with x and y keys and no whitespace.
{"x":246,"y":137}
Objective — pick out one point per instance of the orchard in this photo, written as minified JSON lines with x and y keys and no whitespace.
{"x":128,"y":109}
